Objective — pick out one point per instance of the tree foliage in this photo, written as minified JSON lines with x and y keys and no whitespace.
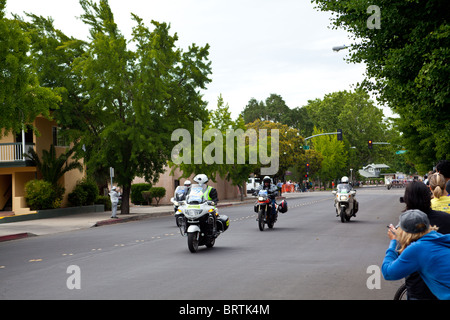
{"x":360,"y":121}
{"x":408,"y":67}
{"x":120,"y":105}
{"x":22,"y":98}
{"x":334,"y":163}
{"x":214,"y":143}
{"x":290,"y":143}
{"x":136,"y":98}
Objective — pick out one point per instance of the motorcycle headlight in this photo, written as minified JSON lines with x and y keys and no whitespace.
{"x":193,"y":212}
{"x":344,"y":198}
{"x":261,"y":198}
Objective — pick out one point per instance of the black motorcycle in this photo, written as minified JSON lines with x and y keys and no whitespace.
{"x":263,"y":207}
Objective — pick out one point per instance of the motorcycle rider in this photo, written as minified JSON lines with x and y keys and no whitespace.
{"x":272,"y":191}
{"x":348,"y":186}
{"x":209,"y":193}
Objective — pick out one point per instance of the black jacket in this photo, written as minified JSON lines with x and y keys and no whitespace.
{"x":415,"y":286}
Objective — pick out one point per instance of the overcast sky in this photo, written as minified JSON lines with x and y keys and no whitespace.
{"x":258,"y":47}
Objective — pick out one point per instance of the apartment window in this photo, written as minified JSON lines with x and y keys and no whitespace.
{"x":58,"y":139}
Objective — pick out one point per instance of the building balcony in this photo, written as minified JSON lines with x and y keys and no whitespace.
{"x":13,"y":154}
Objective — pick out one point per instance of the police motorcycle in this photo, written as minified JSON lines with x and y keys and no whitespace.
{"x":345,"y":202}
{"x":199,"y":220}
{"x":179,"y":196}
{"x":263,"y":207}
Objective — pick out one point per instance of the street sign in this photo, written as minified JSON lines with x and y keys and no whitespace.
{"x":305,"y":147}
{"x":401,"y":151}
{"x":111,"y":174}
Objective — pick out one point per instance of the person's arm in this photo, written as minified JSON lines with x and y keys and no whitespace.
{"x":395,"y":266}
{"x":213,"y":195}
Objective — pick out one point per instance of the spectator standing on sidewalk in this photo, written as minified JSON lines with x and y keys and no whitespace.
{"x":114,"y":195}
{"x":441,"y":198}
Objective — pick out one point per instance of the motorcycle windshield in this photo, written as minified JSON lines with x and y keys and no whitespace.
{"x":196,"y":195}
{"x":262,"y":193}
{"x":344,"y":188}
{"x":180,"y":193}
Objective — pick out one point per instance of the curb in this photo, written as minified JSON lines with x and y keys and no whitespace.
{"x":16,"y":236}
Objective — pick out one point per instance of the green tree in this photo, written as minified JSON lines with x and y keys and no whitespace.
{"x":135,"y":99}
{"x":360,"y":120}
{"x":21,"y":96}
{"x":290,"y":144}
{"x":407,"y":67}
{"x":334,"y":163}
{"x":219,"y":147}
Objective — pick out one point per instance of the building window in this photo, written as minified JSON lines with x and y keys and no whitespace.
{"x":58,"y":139}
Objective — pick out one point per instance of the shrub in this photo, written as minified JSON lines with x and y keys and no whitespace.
{"x":136,"y":192}
{"x":40,"y":195}
{"x":105,"y":200}
{"x":77,"y":197}
{"x":157,"y":193}
{"x":85,"y":193}
{"x":147,"y":196}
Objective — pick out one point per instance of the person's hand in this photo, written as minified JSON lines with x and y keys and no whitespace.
{"x":391,"y":233}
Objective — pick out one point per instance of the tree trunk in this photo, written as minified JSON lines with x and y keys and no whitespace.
{"x":125,"y":207}
{"x":241,"y":190}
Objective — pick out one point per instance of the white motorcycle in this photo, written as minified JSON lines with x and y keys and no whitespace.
{"x":199,"y":220}
{"x":345,"y":202}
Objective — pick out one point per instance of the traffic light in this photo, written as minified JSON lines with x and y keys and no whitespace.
{"x":339,"y":134}
{"x":370,"y":144}
{"x":307,"y":167}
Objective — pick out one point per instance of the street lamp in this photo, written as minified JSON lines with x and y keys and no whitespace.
{"x":338,"y":48}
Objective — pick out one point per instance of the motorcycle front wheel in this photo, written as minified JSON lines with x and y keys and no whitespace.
{"x":193,"y":241}
{"x":343,"y":217}
{"x":261,"y":217}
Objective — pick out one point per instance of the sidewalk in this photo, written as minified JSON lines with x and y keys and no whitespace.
{"x":24,"y":229}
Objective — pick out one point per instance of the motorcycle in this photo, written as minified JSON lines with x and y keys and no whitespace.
{"x":263,"y":207}
{"x":199,"y":220}
{"x":345,"y":202}
{"x":179,"y":196}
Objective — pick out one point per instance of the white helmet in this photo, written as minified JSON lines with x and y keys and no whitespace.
{"x":344,"y":179}
{"x":187,"y":183}
{"x":201,"y":179}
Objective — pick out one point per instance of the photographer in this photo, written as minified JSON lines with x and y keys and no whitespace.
{"x":417,"y":196}
{"x":417,"y":247}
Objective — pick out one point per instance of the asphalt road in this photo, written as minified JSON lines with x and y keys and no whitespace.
{"x":309,"y":254}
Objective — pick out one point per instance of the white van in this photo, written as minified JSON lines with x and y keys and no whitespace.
{"x":252,"y":184}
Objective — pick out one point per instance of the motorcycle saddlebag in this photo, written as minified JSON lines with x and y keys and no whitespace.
{"x":223,"y":222}
{"x":283,"y":207}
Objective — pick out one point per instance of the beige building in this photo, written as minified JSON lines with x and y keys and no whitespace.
{"x":15,"y":170}
{"x":225,"y":190}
